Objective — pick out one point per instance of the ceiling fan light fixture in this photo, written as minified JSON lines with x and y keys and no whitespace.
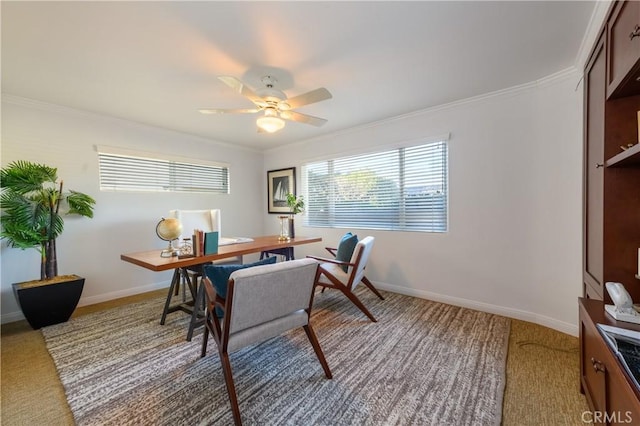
{"x":275,"y":104}
{"x":270,"y":123}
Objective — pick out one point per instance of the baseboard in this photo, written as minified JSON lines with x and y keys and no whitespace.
{"x":123,"y":293}
{"x":92,"y":300}
{"x":567,"y":328}
{"x":11,"y":317}
{"x":563,"y":327}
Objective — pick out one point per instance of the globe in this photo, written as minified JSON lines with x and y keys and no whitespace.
{"x":168,"y":230}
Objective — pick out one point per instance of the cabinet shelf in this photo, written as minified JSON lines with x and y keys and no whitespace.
{"x":627,"y":158}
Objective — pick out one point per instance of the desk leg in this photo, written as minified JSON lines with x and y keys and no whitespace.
{"x":197,"y":308}
{"x":190,"y":283}
{"x":175,"y":282}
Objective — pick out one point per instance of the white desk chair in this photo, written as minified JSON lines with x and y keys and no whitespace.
{"x":206,"y":220}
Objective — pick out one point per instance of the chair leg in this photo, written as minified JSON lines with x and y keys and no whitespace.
{"x":231,"y":389}
{"x":316,"y":347}
{"x":354,"y":299}
{"x":370,"y":286}
{"x":358,"y":303}
{"x":205,"y":341}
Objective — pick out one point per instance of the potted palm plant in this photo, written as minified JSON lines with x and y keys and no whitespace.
{"x":32,"y":203}
{"x":296,"y":205}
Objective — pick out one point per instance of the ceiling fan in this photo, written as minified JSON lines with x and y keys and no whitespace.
{"x":273,"y":103}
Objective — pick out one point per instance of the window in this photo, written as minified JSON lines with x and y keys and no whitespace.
{"x":122,"y":171}
{"x":399,"y":189}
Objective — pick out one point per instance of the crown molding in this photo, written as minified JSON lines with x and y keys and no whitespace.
{"x":11,"y":99}
{"x":570,"y":72}
{"x":567,"y":73}
{"x":594,"y":26}
{"x":36,"y":104}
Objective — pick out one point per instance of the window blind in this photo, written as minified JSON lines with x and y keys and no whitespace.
{"x":119,"y":172}
{"x":399,"y":189}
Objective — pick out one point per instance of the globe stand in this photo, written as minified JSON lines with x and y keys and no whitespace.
{"x":169,"y":251}
{"x":169,"y":230}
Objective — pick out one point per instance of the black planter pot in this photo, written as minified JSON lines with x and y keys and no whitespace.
{"x":46,"y":303}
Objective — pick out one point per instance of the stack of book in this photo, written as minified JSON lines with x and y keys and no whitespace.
{"x":204,"y":243}
{"x":198,"y":242}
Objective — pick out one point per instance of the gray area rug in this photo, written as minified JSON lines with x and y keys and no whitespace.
{"x":423,"y":363}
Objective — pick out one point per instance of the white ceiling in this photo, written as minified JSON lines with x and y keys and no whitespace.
{"x":157,"y":62}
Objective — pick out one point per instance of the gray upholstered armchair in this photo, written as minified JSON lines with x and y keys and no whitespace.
{"x":261,"y":302}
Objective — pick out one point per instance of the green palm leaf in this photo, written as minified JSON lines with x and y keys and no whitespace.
{"x":30,"y":203}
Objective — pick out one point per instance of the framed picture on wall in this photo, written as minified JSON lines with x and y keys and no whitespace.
{"x":279,"y":183}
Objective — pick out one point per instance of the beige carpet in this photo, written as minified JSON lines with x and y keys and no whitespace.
{"x":422,"y":363}
{"x":543,"y":371}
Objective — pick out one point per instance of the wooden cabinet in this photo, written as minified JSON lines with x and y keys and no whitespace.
{"x":594,"y":104}
{"x":610,"y":392}
{"x":611,"y":207}
{"x":623,"y":35}
{"x":611,"y":171}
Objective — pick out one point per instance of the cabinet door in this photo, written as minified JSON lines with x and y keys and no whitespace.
{"x":592,"y":369}
{"x":623,"y":408}
{"x":623,"y":32}
{"x":594,"y":104}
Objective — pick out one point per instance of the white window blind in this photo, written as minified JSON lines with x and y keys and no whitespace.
{"x":399,"y":189}
{"x":123,"y":172}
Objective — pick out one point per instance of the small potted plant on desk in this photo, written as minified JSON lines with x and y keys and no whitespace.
{"x":296,"y":205}
{"x":31,"y":218}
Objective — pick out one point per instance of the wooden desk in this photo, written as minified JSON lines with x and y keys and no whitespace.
{"x":153,"y":261}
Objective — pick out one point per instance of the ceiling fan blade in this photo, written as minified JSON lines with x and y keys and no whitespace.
{"x":302,"y":118}
{"x":241,"y":88}
{"x":308,"y":98}
{"x":228,"y":111}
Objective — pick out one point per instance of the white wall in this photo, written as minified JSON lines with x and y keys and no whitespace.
{"x":515,"y":209}
{"x":123,"y":222}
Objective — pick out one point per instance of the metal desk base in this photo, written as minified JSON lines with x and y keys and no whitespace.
{"x":194,"y":307}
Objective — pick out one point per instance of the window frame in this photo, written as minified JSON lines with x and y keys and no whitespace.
{"x":169,"y":168}
{"x":398,"y":222}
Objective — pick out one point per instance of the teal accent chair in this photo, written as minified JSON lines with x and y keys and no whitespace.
{"x":332,"y":274}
